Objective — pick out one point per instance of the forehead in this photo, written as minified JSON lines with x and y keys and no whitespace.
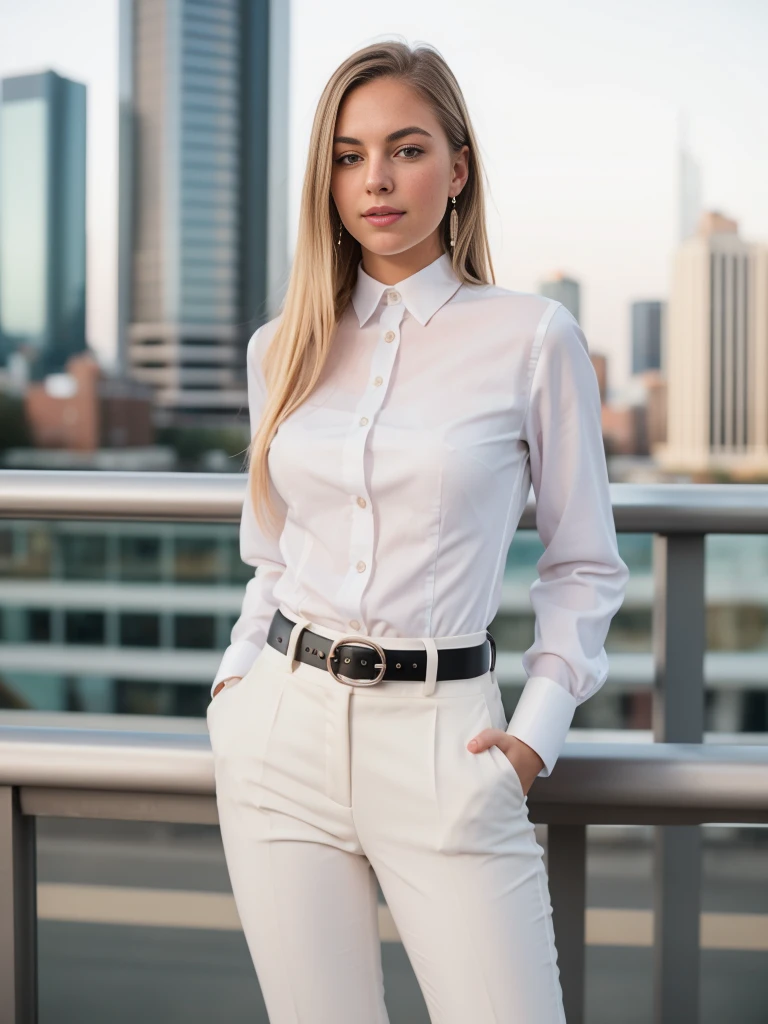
{"x":374,"y":109}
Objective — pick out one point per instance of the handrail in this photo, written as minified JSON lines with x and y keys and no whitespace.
{"x":713,"y":778}
{"x":170,"y":778}
{"x":218,"y":497}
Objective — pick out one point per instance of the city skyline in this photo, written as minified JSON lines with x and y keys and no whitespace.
{"x":575,"y":192}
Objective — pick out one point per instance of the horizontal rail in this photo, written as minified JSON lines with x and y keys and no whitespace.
{"x":218,"y":497}
{"x":629,"y":781}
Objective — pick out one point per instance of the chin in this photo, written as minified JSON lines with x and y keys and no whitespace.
{"x":389,"y":247}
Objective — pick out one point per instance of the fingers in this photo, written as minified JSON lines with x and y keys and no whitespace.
{"x":486,"y":738}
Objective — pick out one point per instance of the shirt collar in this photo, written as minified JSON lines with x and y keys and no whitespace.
{"x":423,"y":293}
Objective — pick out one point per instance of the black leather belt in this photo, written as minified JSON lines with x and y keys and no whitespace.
{"x":368,"y":664}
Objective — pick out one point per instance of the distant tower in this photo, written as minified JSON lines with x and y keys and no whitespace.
{"x":689,"y":186}
{"x":565,"y":290}
{"x":203,"y":196}
{"x":647,"y":328}
{"x":42,"y":220}
{"x":717,"y":360}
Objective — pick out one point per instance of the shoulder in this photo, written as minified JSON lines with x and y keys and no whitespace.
{"x":528,"y":312}
{"x":260,"y":339}
{"x":559,"y":334}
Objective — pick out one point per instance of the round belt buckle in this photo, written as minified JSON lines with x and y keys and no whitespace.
{"x":365,"y":642}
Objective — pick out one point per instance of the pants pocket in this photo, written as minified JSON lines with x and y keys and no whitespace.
{"x":497,"y":719}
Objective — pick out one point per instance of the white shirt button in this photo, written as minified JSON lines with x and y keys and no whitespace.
{"x":361,"y":502}
{"x":363,"y":420}
{"x":378,"y":381}
{"x":389,"y":336}
{"x":393,"y":297}
{"x":354,"y":624}
{"x":361,"y":566}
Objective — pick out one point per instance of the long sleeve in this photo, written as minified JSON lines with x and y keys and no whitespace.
{"x":581,"y":578}
{"x":258,"y":549}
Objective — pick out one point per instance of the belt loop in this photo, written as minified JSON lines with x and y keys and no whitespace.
{"x":430,"y":676}
{"x":290,"y":651}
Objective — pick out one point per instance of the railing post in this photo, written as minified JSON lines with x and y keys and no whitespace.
{"x":679,"y":641}
{"x":18,"y":912}
{"x":566,"y":867}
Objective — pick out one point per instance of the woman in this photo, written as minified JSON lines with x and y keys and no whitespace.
{"x":356,"y":720}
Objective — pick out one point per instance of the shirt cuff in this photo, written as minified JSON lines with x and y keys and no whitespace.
{"x":237,"y":659}
{"x":542,"y":718}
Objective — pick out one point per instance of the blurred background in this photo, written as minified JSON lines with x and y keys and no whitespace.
{"x":151,"y":161}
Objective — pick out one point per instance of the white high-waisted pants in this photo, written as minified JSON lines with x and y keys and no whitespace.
{"x":319,"y":782}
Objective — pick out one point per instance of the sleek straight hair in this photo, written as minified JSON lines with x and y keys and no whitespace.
{"x":323,"y":273}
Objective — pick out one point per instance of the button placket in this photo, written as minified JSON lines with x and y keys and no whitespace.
{"x":353,"y":457}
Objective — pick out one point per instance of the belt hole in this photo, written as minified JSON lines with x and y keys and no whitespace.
{"x":346,"y":661}
{"x":363,"y":661}
{"x":414,"y":664}
{"x":397,"y":665}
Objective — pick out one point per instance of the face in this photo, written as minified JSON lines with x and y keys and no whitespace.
{"x":414,"y":173}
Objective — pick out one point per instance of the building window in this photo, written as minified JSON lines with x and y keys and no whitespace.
{"x":38,"y":625}
{"x":140,"y":559}
{"x":84,"y":627}
{"x":197,"y":560}
{"x":194,"y":631}
{"x":83,"y":557}
{"x":139,"y":630}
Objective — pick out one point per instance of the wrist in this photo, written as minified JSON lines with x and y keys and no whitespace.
{"x":524,"y":755}
{"x":223,"y":682}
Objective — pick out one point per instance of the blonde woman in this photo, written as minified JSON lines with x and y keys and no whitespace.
{"x":401,"y":406}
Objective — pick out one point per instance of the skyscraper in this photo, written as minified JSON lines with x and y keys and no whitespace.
{"x":565,"y":290}
{"x":42,"y":220}
{"x":688,"y":185}
{"x":647,"y":327}
{"x":203,"y":196}
{"x":717,"y":359}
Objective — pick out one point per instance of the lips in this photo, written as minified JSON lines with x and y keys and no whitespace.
{"x":382,"y":219}
{"x":380,"y":211}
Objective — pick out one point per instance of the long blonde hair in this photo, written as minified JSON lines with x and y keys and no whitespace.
{"x":323,"y":273}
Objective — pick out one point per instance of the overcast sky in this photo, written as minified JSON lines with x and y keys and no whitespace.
{"x":576,"y":107}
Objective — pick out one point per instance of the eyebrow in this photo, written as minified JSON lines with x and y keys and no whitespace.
{"x":392,"y":137}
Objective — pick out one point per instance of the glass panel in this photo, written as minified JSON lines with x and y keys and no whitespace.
{"x":84,"y":627}
{"x":194,"y":631}
{"x":139,"y":630}
{"x":38,"y":624}
{"x":83,"y":557}
{"x":25,"y":550}
{"x":140,"y":558}
{"x":196,"y":560}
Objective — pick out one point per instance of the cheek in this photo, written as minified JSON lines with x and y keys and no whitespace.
{"x":340,"y":193}
{"x":427,"y":192}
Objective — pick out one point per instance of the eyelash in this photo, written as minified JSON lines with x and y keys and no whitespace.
{"x":339,"y":159}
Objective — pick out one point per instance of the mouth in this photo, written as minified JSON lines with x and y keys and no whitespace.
{"x":384,"y":218}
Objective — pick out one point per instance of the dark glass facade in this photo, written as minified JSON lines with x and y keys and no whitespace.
{"x":42,"y":220}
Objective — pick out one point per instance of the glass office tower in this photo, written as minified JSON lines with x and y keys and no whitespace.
{"x":647,"y":329}
{"x":42,"y":219}
{"x":565,"y":289}
{"x":203,"y":176}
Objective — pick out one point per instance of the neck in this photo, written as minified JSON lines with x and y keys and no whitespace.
{"x":391,"y":269}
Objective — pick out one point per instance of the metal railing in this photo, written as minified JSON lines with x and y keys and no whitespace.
{"x":676,"y":783}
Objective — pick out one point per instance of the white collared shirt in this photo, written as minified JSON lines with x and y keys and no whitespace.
{"x":401,"y":482}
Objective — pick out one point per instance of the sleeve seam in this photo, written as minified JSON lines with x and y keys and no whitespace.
{"x":533,"y":361}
